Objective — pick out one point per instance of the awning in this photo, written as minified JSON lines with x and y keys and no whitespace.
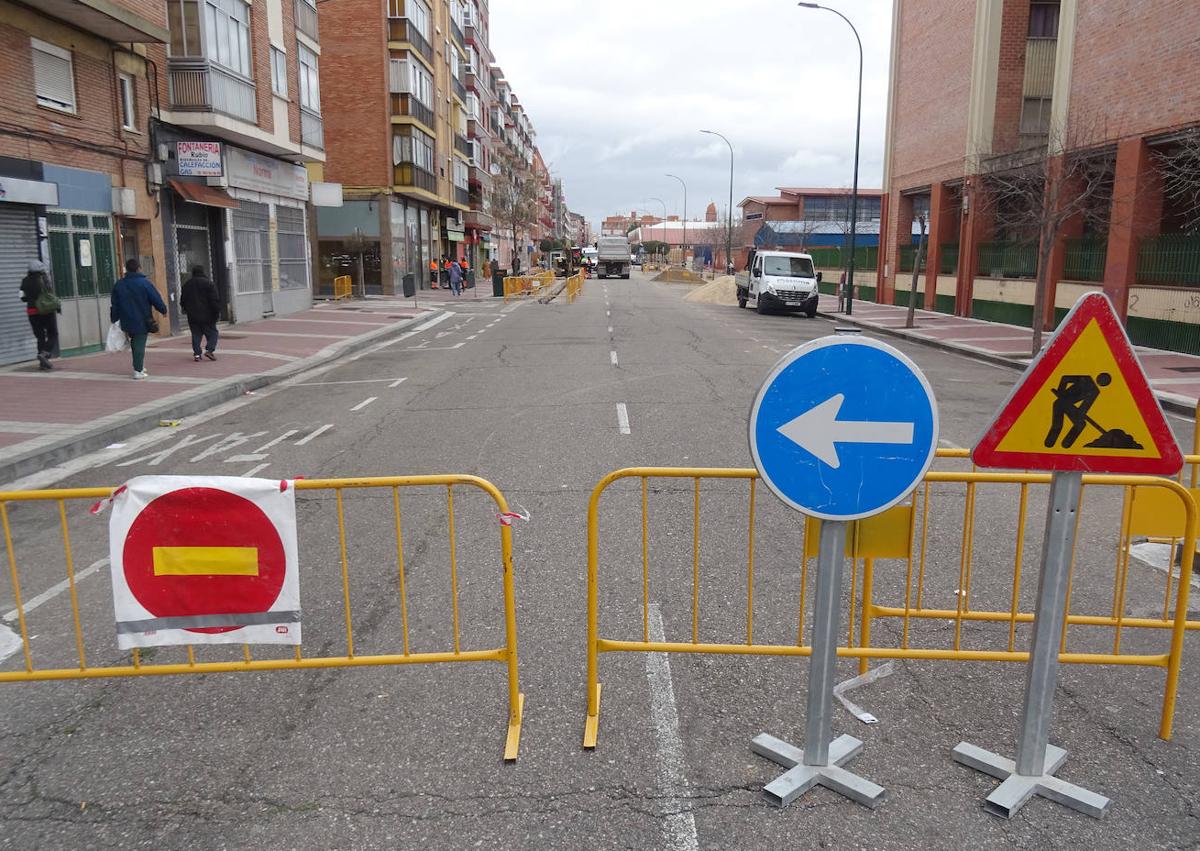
{"x":199,"y":193}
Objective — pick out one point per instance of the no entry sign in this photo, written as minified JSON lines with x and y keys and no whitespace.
{"x":204,"y":560}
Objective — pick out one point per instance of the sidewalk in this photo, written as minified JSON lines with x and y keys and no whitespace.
{"x":87,"y":402}
{"x":1175,"y":377}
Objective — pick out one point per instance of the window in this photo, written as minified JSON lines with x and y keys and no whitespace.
{"x":411,"y":145}
{"x":279,"y":72}
{"x":128,"y":93}
{"x":227,"y":35}
{"x":1043,"y":20}
{"x":411,"y":78}
{"x":183,"y":17}
{"x":53,"y":76}
{"x":415,"y":11}
{"x":460,"y":173}
{"x":310,"y":86}
{"x":473,"y":105}
{"x":1035,"y":116}
{"x":292,"y":245}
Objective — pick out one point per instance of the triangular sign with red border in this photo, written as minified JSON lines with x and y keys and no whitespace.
{"x":1083,"y":405}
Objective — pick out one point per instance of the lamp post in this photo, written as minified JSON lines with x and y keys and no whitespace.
{"x":857,"y":136}
{"x":683,"y":245}
{"x":663,"y":224}
{"x":729,"y":211}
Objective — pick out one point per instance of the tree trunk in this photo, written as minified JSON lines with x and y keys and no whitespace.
{"x":1040,"y":286}
{"x":912,"y":291}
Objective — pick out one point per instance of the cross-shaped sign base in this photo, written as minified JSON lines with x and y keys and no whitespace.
{"x":1017,"y":789}
{"x":800,"y":777}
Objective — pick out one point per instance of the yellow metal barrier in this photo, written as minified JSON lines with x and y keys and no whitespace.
{"x":342,"y":287}
{"x":387,"y":488}
{"x":574,"y":287}
{"x":891,"y":535}
{"x":517,"y":286}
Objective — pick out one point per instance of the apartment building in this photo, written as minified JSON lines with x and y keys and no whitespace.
{"x":397,"y":125}
{"x":981,"y":88}
{"x":239,"y":103}
{"x":483,"y":119}
{"x":514,"y":131}
{"x":75,"y":143}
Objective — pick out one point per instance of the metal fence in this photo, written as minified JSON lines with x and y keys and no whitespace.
{"x":1008,"y":259}
{"x":1084,"y":259}
{"x":1171,"y":258}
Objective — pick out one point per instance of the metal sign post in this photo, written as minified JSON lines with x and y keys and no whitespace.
{"x":843,"y":428}
{"x":1037,"y":760}
{"x":820,"y":763}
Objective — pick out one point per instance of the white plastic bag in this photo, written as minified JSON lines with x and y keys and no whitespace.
{"x":116,"y":340}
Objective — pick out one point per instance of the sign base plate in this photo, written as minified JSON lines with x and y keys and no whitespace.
{"x":1017,"y":789}
{"x":800,"y":777}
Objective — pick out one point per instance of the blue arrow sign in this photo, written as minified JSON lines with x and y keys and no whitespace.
{"x":843,"y":428}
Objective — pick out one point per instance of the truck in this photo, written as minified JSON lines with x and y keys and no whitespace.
{"x":779,"y":280}
{"x":612,"y":257}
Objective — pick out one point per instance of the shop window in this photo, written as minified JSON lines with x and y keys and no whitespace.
{"x":292,"y":245}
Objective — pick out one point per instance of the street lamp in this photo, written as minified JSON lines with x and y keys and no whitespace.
{"x":729,"y":223}
{"x":857,"y":136}
{"x":663,"y":223}
{"x":683,"y":245}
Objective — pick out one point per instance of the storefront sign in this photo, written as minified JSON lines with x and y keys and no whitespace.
{"x":199,"y":159}
{"x":17,"y":191}
{"x":266,"y":174}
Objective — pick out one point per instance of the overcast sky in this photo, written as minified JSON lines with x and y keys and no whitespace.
{"x":618,"y":92}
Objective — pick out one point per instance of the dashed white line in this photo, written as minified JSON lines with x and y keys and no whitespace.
{"x":473,"y":336}
{"x":280,"y":439}
{"x":315,"y":434}
{"x":623,"y":419}
{"x":610,"y":330}
{"x":679,"y":826}
{"x":254,"y":470}
{"x":613,"y":357}
{"x":608,"y":313}
{"x":10,"y":642}
{"x":398,"y":382}
{"x":364,"y":403}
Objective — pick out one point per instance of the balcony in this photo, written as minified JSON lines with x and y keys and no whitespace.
{"x":402,"y":29}
{"x":306,"y":18}
{"x":478,"y":219}
{"x":463,"y":146}
{"x":198,"y":86}
{"x":404,"y":104}
{"x":312,"y":129}
{"x":111,"y":21}
{"x":460,"y":90}
{"x":410,"y":174}
{"x":458,"y":34}
{"x":462,"y":196}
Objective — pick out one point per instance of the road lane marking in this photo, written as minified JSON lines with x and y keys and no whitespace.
{"x":233,"y":441}
{"x":10,"y":641}
{"x":315,"y":434}
{"x":355,"y":381}
{"x":613,"y":357}
{"x":245,"y":459}
{"x":623,"y":418}
{"x":608,"y":313}
{"x":156,"y":458}
{"x":280,"y":439}
{"x":364,"y":403}
{"x":398,"y":382}
{"x":254,"y":470}
{"x":678,"y":828}
{"x":610,"y":330}
{"x":473,"y":336}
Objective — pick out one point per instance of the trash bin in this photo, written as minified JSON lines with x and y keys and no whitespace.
{"x":498,"y":282}
{"x":409,"y":285}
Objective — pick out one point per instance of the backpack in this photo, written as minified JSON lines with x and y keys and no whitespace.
{"x":46,"y":301}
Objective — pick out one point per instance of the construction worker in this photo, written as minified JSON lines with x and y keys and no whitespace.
{"x":433,"y":274}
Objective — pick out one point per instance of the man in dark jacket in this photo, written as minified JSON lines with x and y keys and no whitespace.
{"x":133,"y":298}
{"x":45,"y":325}
{"x":202,"y":304}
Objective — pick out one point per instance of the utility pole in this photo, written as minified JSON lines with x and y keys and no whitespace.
{"x":683,"y":246}
{"x":729,"y":221}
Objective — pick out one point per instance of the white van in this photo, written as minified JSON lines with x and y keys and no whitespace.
{"x":780,"y":280}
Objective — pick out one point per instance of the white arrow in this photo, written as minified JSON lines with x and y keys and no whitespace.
{"x":818,"y":430}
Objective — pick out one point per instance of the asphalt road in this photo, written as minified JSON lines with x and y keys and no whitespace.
{"x":544,"y":400}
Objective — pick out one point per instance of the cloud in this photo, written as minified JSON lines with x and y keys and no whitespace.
{"x":619,"y":91}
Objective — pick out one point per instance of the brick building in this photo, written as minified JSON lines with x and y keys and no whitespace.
{"x":75,"y":143}
{"x":983,"y":88}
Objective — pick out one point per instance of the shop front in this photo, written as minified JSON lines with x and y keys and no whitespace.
{"x":24,"y":197}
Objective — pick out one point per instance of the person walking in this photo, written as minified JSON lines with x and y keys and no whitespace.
{"x":456,"y":278}
{"x":134,"y":299}
{"x":202,"y":304}
{"x":42,"y":307}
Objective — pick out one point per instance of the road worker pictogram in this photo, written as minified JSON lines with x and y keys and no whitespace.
{"x":1084,"y":404}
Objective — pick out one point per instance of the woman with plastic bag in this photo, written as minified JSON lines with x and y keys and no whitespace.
{"x":43,"y":307}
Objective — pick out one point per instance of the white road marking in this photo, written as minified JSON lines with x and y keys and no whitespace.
{"x":245,"y":459}
{"x":398,"y":382}
{"x":254,"y":470}
{"x":948,"y":444}
{"x":232,"y":441}
{"x":623,"y":418}
{"x":157,"y":458}
{"x":610,"y":330}
{"x":473,"y":336}
{"x":355,"y":381}
{"x":364,"y":403}
{"x":608,"y":313}
{"x":315,"y":434}
{"x":613,"y":357}
{"x":10,"y":641}
{"x":1158,"y":556}
{"x":428,"y":348}
{"x":678,"y":828}
{"x":280,"y":439}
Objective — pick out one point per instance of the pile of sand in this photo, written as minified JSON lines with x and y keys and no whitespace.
{"x":723,"y":290}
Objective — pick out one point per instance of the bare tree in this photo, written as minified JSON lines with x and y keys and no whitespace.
{"x":725,"y":233}
{"x":910,"y":318}
{"x":1033,"y":194}
{"x":515,"y":194}
{"x":1179,"y":165}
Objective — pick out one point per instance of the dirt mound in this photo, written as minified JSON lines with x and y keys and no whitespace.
{"x":723,"y":290}
{"x":678,"y":276}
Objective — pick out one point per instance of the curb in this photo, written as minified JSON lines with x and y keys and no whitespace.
{"x":1170,"y":401}
{"x":68,"y":448}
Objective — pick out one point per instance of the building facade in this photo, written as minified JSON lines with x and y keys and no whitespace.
{"x":983,"y":88}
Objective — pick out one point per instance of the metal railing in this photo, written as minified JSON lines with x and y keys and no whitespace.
{"x":1008,"y":260}
{"x":1084,"y":259}
{"x":908,"y":254}
{"x":866,"y":257}
{"x":1171,"y":259}
{"x":460,"y":89}
{"x":343,"y":287}
{"x":402,"y":29}
{"x":312,"y":129}
{"x":463,"y":145}
{"x":462,"y":196}
{"x":409,"y":174}
{"x":306,"y":19}
{"x":457,"y":32}
{"x":407,"y":104}
{"x":196,"y":85}
{"x":948,"y":259}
